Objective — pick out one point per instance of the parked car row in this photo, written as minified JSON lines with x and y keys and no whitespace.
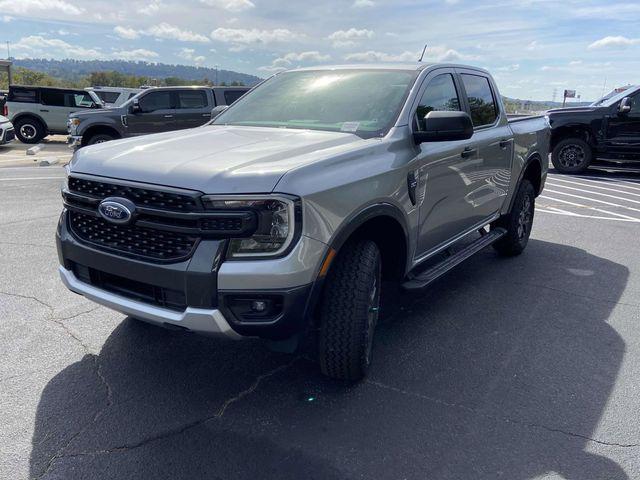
{"x":40,"y":111}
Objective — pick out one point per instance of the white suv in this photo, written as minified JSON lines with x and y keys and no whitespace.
{"x":7,"y":133}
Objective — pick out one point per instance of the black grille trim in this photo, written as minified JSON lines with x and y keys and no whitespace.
{"x":132,"y":240}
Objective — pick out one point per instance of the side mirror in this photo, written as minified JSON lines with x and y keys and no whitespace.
{"x":218,"y":110}
{"x":625,"y":106}
{"x":135,"y":107}
{"x":444,"y":127}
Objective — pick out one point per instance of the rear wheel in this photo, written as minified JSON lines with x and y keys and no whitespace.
{"x":29,"y":130}
{"x":571,"y":155}
{"x":100,"y":138}
{"x":518,"y":222}
{"x":349,"y":312}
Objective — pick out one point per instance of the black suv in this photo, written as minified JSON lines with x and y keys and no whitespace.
{"x":154,"y":110}
{"x":607,"y":130}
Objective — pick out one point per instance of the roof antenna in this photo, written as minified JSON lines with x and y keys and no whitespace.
{"x":423,"y":52}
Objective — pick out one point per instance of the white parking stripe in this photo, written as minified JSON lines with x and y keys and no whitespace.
{"x":591,"y":208}
{"x":624,"y":199}
{"x":592,"y":217}
{"x":29,"y":178}
{"x":592,"y":200}
{"x":602,"y":180}
{"x":556,"y":179}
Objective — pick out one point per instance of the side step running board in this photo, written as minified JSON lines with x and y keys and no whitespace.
{"x":431,"y":274}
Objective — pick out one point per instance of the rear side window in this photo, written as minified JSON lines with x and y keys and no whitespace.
{"x":481,"y":102}
{"x":192,"y":99}
{"x":24,"y":95}
{"x":53,"y":98}
{"x":440,"y":95}
{"x":155,"y":101}
{"x":635,"y":105}
{"x":79,"y":100}
{"x":231,"y":96}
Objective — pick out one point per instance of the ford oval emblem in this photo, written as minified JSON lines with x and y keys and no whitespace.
{"x":117,"y":210}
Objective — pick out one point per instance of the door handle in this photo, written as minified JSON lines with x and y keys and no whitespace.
{"x":168,"y":116}
{"x":206,"y":114}
{"x":469,"y":152}
{"x":44,"y":110}
{"x":504,"y":143}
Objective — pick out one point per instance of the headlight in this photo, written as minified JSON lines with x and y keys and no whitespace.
{"x":74,"y":121}
{"x":65,"y":181}
{"x":277,"y":221}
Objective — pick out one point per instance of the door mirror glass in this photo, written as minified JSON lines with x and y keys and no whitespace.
{"x":625,"y":105}
{"x":218,"y":110}
{"x":445,"y":126}
{"x":135,"y":106}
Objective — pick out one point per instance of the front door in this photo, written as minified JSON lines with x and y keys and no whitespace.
{"x":623,"y":130}
{"x":444,"y":168}
{"x":192,"y":109}
{"x":156,"y":113}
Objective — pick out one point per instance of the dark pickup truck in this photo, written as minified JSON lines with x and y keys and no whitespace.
{"x":607,"y":130}
{"x":154,"y":110}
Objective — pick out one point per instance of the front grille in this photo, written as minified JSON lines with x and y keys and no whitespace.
{"x":154,"y":295}
{"x":130,"y":239}
{"x":140,"y":196}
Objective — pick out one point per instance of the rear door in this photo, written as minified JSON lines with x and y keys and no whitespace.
{"x":157,"y":112}
{"x":489,"y":170}
{"x":193,"y":108}
{"x":623,"y":130}
{"x":53,"y":109}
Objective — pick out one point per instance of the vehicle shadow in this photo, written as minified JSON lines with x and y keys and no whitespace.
{"x":502,"y":369}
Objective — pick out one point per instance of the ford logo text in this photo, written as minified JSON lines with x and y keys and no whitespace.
{"x":117,"y":210}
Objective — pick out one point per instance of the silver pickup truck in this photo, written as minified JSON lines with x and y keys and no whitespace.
{"x":281,"y":218}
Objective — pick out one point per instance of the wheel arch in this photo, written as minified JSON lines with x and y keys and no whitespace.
{"x":581,"y":131}
{"x":98,"y":130}
{"x":531,"y":170}
{"x":29,"y":115}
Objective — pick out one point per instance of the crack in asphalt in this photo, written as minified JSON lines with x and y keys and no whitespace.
{"x":498,"y":418}
{"x":29,"y":219}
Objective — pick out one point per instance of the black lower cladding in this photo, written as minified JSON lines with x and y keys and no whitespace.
{"x":192,"y":282}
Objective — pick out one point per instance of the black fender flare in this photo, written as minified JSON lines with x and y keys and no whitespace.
{"x":22,"y":115}
{"x":534,"y":157}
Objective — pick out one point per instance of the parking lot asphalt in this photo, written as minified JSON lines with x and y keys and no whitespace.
{"x":521,"y":368}
{"x":54,"y":147}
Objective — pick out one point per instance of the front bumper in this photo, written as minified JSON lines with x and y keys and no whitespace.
{"x":74,"y":141}
{"x":195,"y":294}
{"x":7,"y":134}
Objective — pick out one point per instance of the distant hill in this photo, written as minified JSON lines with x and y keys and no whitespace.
{"x":516,"y":104}
{"x":71,"y":70}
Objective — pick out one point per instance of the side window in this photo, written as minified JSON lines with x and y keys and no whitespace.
{"x":107,"y":97}
{"x":635,"y":105}
{"x":79,"y":100}
{"x":483,"y":106}
{"x":440,"y":95}
{"x":24,"y":95}
{"x":192,"y":99}
{"x":155,"y":101}
{"x":53,"y":98}
{"x":231,"y":96}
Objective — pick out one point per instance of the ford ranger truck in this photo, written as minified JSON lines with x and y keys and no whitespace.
{"x":606,"y":131}
{"x":281,"y":218}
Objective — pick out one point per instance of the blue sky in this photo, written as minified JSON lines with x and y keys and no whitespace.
{"x":533,"y":47}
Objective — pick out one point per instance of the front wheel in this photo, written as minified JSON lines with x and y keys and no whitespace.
{"x":349,"y":312}
{"x":518,"y":222}
{"x":571,"y":155}
{"x":99,"y":138}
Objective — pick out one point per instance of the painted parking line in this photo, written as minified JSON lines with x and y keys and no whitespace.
{"x":588,"y":207}
{"x":13,"y":179}
{"x":597,"y":187}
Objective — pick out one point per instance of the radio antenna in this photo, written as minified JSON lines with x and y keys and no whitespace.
{"x":423,"y":52}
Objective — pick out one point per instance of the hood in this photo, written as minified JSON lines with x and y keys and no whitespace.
{"x":3,"y":119}
{"x":212,"y":159}
{"x":92,"y":111}
{"x":574,"y":110}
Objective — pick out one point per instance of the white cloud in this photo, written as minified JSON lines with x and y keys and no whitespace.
{"x":533,"y":46}
{"x":508,"y":68}
{"x":348,"y":38}
{"x":614,"y":42}
{"x":171,"y":32}
{"x":240,"y":38}
{"x":6,"y":19}
{"x":136,"y":54}
{"x":363,"y":3}
{"x":125,"y":32}
{"x":230,"y":5}
{"x":151,"y":8}
{"x":372,"y":56}
{"x":286,"y":61}
{"x":621,"y":11}
{"x":30,"y":7}
{"x":190,"y":54}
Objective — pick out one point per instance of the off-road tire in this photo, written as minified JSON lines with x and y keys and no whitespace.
{"x":571,"y":155}
{"x":100,"y":138}
{"x":29,"y":130}
{"x":518,"y":222}
{"x":349,"y":311}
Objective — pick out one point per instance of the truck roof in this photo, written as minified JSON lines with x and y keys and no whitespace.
{"x":390,"y":66}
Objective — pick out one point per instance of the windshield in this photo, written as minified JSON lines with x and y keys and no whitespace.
{"x":610,"y":100}
{"x":364,"y":102}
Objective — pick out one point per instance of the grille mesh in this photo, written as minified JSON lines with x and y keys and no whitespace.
{"x":132,"y":240}
{"x":139,"y":196}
